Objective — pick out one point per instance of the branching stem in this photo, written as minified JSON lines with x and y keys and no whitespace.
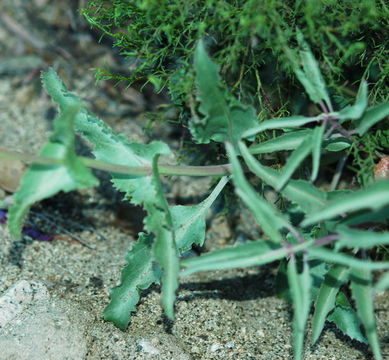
{"x":215,"y":170}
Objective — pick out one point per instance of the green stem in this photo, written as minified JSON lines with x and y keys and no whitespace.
{"x":215,"y":170}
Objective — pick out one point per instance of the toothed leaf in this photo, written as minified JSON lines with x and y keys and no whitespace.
{"x":189,"y":221}
{"x":325,"y":301}
{"x":225,"y":118}
{"x":140,"y":272}
{"x":308,"y":73}
{"x":345,"y":318}
{"x":43,"y":181}
{"x":111,"y":147}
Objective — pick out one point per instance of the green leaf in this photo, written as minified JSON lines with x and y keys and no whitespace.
{"x":300,"y":192}
{"x":110,"y":147}
{"x":252,"y":253}
{"x":346,"y":260}
{"x":337,"y":144}
{"x":372,"y":116}
{"x":352,"y":238}
{"x":317,"y":138}
{"x":367,"y":217}
{"x":294,"y":161}
{"x":140,"y":272}
{"x":43,"y":181}
{"x":317,"y":270}
{"x":363,"y":296}
{"x":355,"y":111}
{"x":267,"y":216}
{"x":300,"y":285}
{"x":189,"y":221}
{"x":346,"y":319}
{"x":288,"y":141}
{"x":159,"y":221}
{"x":308,"y":73}
{"x":325,"y":301}
{"x":281,"y":123}
{"x":373,"y":197}
{"x":57,"y":90}
{"x":223,"y":119}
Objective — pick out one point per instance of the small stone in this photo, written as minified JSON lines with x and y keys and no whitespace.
{"x":230,"y":344}
{"x":215,"y":347}
{"x":148,"y":347}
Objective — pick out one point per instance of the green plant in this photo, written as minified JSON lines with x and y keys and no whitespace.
{"x":252,"y":41}
{"x":322,"y":238}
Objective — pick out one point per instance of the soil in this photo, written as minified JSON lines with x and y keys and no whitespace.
{"x":63,"y":284}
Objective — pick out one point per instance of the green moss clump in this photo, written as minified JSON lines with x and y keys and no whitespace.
{"x":253,"y":42}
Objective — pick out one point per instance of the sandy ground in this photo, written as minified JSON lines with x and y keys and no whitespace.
{"x":63,"y":286}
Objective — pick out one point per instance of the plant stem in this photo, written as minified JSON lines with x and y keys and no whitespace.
{"x":215,"y":170}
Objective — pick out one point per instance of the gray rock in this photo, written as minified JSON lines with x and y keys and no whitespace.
{"x":39,"y":327}
{"x":19,"y":297}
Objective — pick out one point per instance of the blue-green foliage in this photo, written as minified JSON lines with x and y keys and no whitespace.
{"x":311,"y":226}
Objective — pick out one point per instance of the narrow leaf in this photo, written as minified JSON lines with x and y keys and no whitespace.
{"x":282,"y":123}
{"x":355,"y":111}
{"x":267,"y":216}
{"x":288,"y":141}
{"x":325,"y":301}
{"x":373,"y":197}
{"x":371,"y":117}
{"x":252,"y":253}
{"x":303,"y":193}
{"x":223,"y":119}
{"x":363,"y":296}
{"x":317,"y":138}
{"x":294,"y":161}
{"x":366,"y":216}
{"x":159,"y":221}
{"x":346,"y":260}
{"x":352,"y":238}
{"x":337,"y":144}
{"x":139,"y":273}
{"x":300,"y":292}
{"x":43,"y":181}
